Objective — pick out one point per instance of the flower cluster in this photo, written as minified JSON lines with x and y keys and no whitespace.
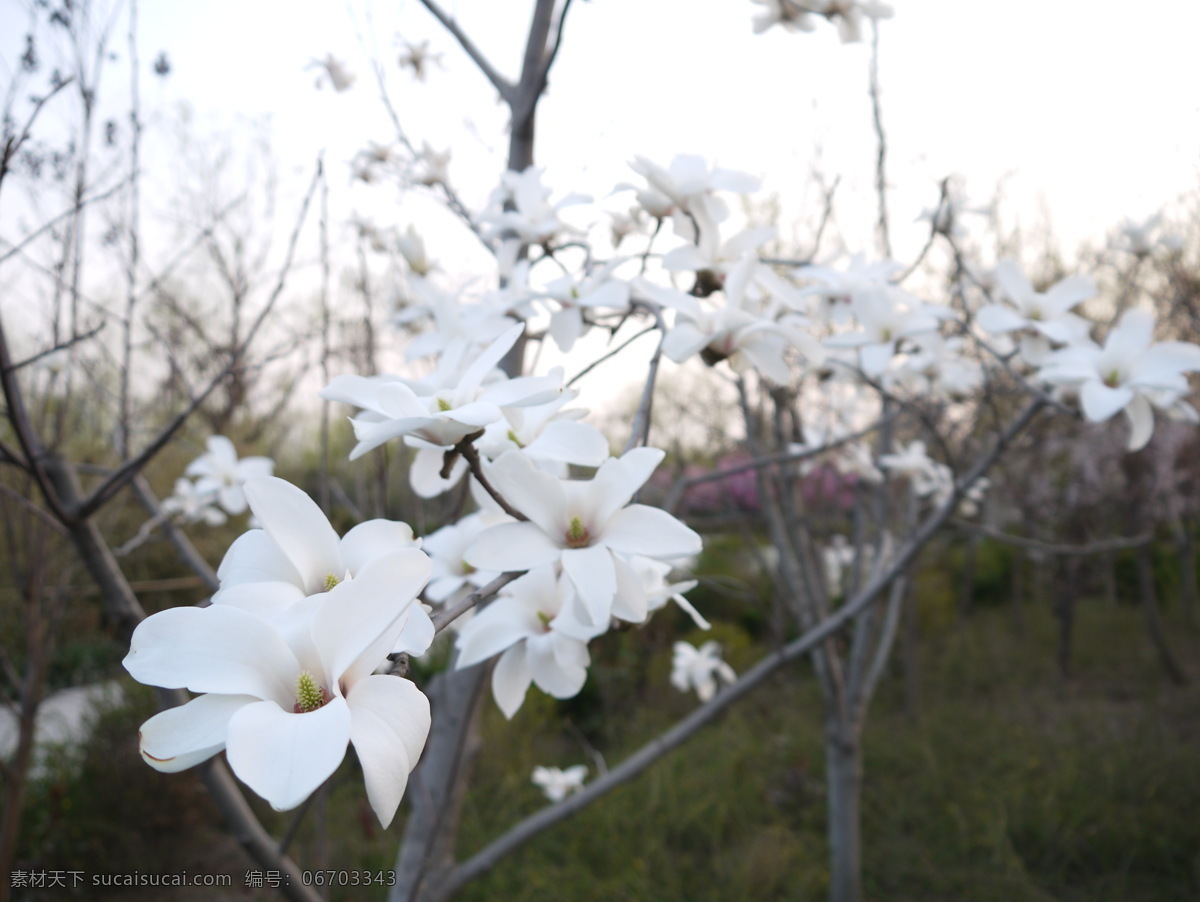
{"x":217,"y":487}
{"x":284,"y":660}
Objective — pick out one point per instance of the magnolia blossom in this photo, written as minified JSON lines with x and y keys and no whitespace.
{"x":1043,"y":316}
{"x":914,"y":462}
{"x":539,"y":641}
{"x":520,"y":214}
{"x":731,"y":325}
{"x":699,"y":669}
{"x":444,"y":409}
{"x":885,"y":317}
{"x":837,"y":288}
{"x":339,"y":75}
{"x":418,"y":58}
{"x":446,"y":547}
{"x":588,"y":527}
{"x":835,"y":558}
{"x":220,"y":474}
{"x":193,"y":506}
{"x":571,"y":297}
{"x":788,"y":14}
{"x":1130,"y":373}
{"x":687,"y":187}
{"x":1142,"y":238}
{"x":270,"y":571}
{"x":285,"y":699}
{"x":556,"y":783}
{"x":658,"y":591}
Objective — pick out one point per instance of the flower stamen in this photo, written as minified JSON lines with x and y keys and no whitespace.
{"x":309,"y":694}
{"x":577,"y":534}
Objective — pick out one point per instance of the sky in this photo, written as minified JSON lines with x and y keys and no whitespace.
{"x":1087,"y":108}
{"x":1084,"y":110}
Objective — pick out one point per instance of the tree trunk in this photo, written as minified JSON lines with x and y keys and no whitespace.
{"x":1149,"y":598}
{"x":843,"y":778}
{"x":1064,"y":610}
{"x":439,"y":785}
{"x":966,"y":591}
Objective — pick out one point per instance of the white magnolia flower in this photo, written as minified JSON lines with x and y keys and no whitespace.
{"x":556,"y":783}
{"x":285,"y":703}
{"x":268,"y":572}
{"x":886,"y":316}
{"x":220,"y":473}
{"x":699,"y":669}
{"x":446,"y":547}
{"x":1141,"y":238}
{"x":444,"y":409}
{"x":520,"y":213}
{"x":687,"y":186}
{"x":914,"y":462}
{"x":837,"y":288}
{"x":1131,"y":374}
{"x":586,"y":525}
{"x":788,"y":14}
{"x":1043,"y":316}
{"x":836,"y":557}
{"x":531,"y":627}
{"x":598,"y":291}
{"x":339,"y":75}
{"x":658,"y":591}
{"x":435,"y":166}
{"x":193,"y":506}
{"x":418,"y":58}
{"x":733,"y":325}
{"x":849,"y":15}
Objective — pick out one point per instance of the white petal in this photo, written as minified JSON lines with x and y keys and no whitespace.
{"x":216,"y":649}
{"x":649,"y":531}
{"x":496,"y":628}
{"x":264,"y":600}
{"x":1141,"y":422}
{"x":1100,"y":402}
{"x":299,"y":528}
{"x":373,"y":539}
{"x":255,"y":557}
{"x":285,"y":757}
{"x":365,"y":611}
{"x":425,"y":475}
{"x":510,"y":680}
{"x":178,"y":738}
{"x":591,"y":571}
{"x":570,"y":442}
{"x":389,"y":723}
{"x":511,"y":546}
{"x":998,"y":320}
{"x":549,"y":672}
{"x":539,"y":496}
{"x":617,"y":480}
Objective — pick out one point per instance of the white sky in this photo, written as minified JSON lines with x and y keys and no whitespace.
{"x":1088,"y":108}
{"x":1090,"y":104}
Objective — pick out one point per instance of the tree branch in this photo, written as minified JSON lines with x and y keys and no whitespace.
{"x":531,"y":826}
{"x":499,"y":82}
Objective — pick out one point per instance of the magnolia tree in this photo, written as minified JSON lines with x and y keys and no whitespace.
{"x":850,"y":386}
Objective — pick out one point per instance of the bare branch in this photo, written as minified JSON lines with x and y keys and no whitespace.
{"x":1100,"y":546}
{"x":123,"y":474}
{"x":499,"y":82}
{"x":444,"y":618}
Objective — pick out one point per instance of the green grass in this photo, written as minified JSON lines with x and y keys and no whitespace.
{"x":1010,"y":785}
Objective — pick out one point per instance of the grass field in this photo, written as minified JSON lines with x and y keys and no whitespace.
{"x":1007,"y":783}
